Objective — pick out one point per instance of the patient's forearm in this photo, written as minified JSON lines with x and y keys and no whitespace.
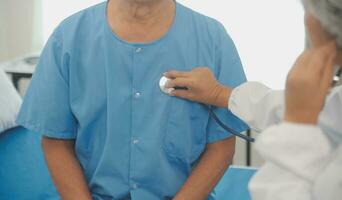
{"x":65,"y":169}
{"x":212,"y":166}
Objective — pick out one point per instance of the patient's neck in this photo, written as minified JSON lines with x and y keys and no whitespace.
{"x":140,"y":10}
{"x":141,"y":20}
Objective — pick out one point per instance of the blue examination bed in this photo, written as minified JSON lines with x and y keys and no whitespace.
{"x":24,"y":175}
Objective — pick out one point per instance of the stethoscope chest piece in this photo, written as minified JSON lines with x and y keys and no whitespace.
{"x":162,"y":85}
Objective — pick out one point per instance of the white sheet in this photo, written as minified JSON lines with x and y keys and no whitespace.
{"x":10,"y":102}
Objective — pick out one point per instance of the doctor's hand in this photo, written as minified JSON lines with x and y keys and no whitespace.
{"x":202,"y":87}
{"x":318,"y":36}
{"x":308,"y":84}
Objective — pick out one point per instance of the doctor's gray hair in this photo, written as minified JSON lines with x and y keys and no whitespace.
{"x":329,"y":13}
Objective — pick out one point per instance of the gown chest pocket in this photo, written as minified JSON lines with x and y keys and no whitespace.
{"x":185,"y":135}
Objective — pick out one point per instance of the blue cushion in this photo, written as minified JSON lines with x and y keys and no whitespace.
{"x":234,"y":184}
{"x":23,"y":172}
{"x":24,"y":175}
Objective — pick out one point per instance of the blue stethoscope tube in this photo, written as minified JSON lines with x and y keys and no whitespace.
{"x":225,"y":127}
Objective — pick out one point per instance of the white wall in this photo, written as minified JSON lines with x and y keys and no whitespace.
{"x":20,"y":28}
{"x":54,"y":11}
{"x":269,"y":34}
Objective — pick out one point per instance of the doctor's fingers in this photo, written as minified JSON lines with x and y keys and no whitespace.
{"x":180,"y":82}
{"x":184,"y":94}
{"x":328,"y":73}
{"x":318,"y":36}
{"x":308,"y":67}
{"x":322,"y":58}
{"x":312,"y":62}
{"x":177,"y":74}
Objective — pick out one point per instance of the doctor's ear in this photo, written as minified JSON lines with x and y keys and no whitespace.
{"x":317,"y":35}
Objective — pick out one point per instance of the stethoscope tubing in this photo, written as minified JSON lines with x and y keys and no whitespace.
{"x":225,"y":127}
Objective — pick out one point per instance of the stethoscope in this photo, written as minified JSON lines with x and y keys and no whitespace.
{"x":336,"y":81}
{"x":210,"y":109}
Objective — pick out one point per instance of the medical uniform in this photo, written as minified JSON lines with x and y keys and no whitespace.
{"x":303,"y":162}
{"x":132,"y":140}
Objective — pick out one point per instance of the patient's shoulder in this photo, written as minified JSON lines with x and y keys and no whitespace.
{"x":83,"y":22}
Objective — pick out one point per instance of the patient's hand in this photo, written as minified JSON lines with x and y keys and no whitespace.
{"x":202,"y":87}
{"x":213,"y":164}
{"x":65,"y":169}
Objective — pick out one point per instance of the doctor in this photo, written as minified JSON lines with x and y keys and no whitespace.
{"x":302,"y":133}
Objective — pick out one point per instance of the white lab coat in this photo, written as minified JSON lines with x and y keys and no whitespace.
{"x":303,"y":162}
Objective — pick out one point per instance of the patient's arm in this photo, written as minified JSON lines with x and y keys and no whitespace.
{"x":212,"y":166}
{"x":65,"y":169}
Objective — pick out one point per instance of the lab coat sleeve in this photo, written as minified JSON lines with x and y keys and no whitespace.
{"x":295,"y":157}
{"x":257,"y":105}
{"x":329,"y":183}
